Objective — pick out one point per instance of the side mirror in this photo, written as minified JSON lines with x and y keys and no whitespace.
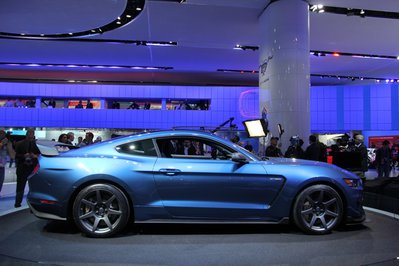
{"x":239,"y":158}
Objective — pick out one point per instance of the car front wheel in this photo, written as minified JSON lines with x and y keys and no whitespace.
{"x":101,"y":210}
{"x":318,"y":209}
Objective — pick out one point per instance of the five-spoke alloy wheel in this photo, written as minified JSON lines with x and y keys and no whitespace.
{"x":318,"y":209}
{"x":101,"y":210}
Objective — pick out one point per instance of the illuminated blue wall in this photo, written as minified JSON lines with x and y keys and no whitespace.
{"x":346,"y":108}
{"x":225,"y":102}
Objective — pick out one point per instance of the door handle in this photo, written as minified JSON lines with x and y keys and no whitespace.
{"x":169,"y":171}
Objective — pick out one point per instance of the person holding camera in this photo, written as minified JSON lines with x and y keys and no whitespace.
{"x":26,"y":154}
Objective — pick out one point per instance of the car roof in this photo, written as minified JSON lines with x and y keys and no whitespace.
{"x":154,"y":134}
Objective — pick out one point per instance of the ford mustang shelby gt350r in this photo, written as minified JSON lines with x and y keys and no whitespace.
{"x":189,"y":176}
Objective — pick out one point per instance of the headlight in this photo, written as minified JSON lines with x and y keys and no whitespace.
{"x":353,"y":182}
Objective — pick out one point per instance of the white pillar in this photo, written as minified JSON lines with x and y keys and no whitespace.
{"x":284,"y":68}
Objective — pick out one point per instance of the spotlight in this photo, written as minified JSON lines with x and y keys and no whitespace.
{"x":350,"y":12}
{"x":317,"y":8}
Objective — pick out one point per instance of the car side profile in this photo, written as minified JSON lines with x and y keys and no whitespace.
{"x":189,"y":177}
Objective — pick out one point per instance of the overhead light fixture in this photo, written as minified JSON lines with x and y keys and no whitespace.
{"x":153,"y":43}
{"x":238,"y":71}
{"x":354,"y":78}
{"x":370,"y":56}
{"x":85,"y":66}
{"x":245,"y":47}
{"x":317,"y":8}
{"x":131,"y":10}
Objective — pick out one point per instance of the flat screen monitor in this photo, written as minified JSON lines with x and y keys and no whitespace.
{"x":256,"y":128}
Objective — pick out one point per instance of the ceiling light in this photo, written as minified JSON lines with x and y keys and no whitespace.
{"x":128,"y":16}
{"x":151,"y":43}
{"x":335,"y":54}
{"x":138,"y":9}
{"x":245,"y":47}
{"x":118,"y":22}
{"x":362,"y":12}
{"x":317,"y":8}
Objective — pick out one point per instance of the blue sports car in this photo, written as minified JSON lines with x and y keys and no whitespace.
{"x":189,"y":177}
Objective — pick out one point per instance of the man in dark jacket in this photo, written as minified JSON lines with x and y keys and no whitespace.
{"x":383,"y":159}
{"x":26,"y":154}
{"x":273,"y":150}
{"x":362,"y":149}
{"x":316,"y":151}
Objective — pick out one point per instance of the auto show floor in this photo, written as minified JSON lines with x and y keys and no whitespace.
{"x":27,"y":240}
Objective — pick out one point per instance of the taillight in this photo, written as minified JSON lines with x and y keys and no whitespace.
{"x":36,"y":169}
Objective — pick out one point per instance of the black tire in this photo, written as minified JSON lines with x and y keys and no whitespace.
{"x":101,"y":210}
{"x":318,"y":209}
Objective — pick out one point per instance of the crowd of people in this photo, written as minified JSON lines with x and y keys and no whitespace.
{"x":69,"y":138}
{"x":30,"y":103}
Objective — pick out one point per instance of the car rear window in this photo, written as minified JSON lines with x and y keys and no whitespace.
{"x":140,"y":148}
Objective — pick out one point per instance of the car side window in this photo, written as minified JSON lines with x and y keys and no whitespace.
{"x":141,"y":148}
{"x":193,"y":148}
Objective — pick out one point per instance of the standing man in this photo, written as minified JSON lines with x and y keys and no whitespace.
{"x":273,"y":150}
{"x":71,"y":137}
{"x":359,"y":147}
{"x":316,"y":151}
{"x":26,"y":159}
{"x":383,"y":159}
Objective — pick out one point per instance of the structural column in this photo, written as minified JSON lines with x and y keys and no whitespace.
{"x":284,"y":68}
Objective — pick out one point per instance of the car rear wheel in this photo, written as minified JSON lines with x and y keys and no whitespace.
{"x":318,"y":209}
{"x":101,"y":210}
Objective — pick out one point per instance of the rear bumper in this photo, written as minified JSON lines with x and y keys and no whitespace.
{"x":45,"y":215}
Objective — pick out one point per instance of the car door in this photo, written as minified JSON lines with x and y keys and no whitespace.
{"x":209,"y":185}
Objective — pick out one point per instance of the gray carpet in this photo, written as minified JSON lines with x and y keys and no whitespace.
{"x":25,"y":239}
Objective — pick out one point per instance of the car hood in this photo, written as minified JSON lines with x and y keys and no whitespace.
{"x":305,"y":167}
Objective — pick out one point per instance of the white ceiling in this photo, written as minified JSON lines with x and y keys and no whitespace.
{"x":206,"y":32}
